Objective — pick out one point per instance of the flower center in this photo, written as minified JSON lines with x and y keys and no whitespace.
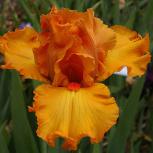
{"x":73,"y":86}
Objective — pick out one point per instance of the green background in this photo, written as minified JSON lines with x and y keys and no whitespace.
{"x":134,"y":130}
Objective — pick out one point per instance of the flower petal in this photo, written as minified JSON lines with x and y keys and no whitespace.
{"x":78,"y":67}
{"x":104,"y":36}
{"x":65,"y":33}
{"x":17,"y":48}
{"x":130,"y":50}
{"x":73,"y":115}
{"x":126,"y":32}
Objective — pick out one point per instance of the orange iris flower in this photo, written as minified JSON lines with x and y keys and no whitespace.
{"x":72,"y":53}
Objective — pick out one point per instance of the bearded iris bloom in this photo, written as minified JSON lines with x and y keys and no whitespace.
{"x":73,"y":52}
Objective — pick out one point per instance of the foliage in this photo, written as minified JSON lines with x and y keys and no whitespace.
{"x":134,"y":131}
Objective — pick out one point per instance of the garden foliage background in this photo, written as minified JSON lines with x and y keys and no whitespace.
{"x":134,"y":130}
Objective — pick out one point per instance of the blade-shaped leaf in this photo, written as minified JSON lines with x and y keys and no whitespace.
{"x":3,"y":143}
{"x":126,"y":121}
{"x":22,"y":133}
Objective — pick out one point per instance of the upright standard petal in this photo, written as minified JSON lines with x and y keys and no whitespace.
{"x":77,"y":67}
{"x":17,"y":48}
{"x":131,"y":50}
{"x":67,"y":33}
{"x":74,"y":114}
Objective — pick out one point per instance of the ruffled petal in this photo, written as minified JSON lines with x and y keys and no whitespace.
{"x":73,"y":115}
{"x":105,"y":37}
{"x":131,"y":50}
{"x":17,"y":48}
{"x":77,"y":67}
{"x":47,"y":55}
{"x":131,"y":35}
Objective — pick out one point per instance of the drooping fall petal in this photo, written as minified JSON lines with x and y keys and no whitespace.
{"x":131,"y":50}
{"x":17,"y":48}
{"x":72,"y":114}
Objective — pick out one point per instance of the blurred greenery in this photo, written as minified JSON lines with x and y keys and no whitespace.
{"x":134,"y":131}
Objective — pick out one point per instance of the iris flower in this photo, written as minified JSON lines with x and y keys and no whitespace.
{"x":72,"y":53}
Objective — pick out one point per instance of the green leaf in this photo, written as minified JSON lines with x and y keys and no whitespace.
{"x":96,"y":5}
{"x":85,"y":146}
{"x":79,"y":5}
{"x":43,"y":146}
{"x":4,"y":86}
{"x":132,"y":17}
{"x":149,"y":12}
{"x":22,"y":133}
{"x":126,"y":121}
{"x":116,"y":12}
{"x":104,"y":10}
{"x":96,"y":148}
{"x":5,"y":112}
{"x":4,"y":92}
{"x":115,"y":83}
{"x":3,"y":142}
{"x":150,"y":123}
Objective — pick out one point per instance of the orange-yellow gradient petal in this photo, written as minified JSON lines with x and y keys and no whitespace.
{"x":131,"y":50}
{"x":73,"y":115}
{"x":17,"y":48}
